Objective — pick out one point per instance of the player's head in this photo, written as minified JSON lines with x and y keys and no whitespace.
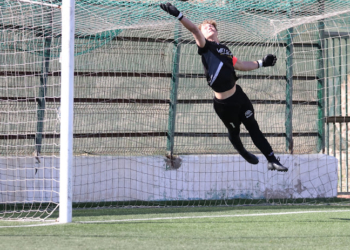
{"x":209,"y":29}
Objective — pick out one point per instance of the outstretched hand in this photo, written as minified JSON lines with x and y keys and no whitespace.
{"x":172,"y":10}
{"x":269,"y":60}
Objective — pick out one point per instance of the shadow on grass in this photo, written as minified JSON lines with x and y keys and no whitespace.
{"x":172,"y":207}
{"x":142,"y":210}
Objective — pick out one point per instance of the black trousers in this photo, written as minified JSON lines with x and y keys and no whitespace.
{"x":238,"y":109}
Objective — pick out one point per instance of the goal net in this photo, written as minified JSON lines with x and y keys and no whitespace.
{"x":145,"y":132}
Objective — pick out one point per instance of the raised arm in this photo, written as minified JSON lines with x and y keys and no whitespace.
{"x":172,"y":10}
{"x":267,"y":61}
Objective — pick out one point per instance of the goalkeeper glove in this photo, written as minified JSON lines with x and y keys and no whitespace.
{"x":168,"y":7}
{"x":267,"y":61}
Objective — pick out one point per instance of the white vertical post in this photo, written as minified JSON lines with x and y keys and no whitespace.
{"x":67,"y":98}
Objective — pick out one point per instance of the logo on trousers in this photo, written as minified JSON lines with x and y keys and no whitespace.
{"x":248,"y":113}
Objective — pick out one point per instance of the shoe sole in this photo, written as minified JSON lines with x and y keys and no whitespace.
{"x":279,"y":170}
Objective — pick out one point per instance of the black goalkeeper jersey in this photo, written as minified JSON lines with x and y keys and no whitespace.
{"x":218,"y":66}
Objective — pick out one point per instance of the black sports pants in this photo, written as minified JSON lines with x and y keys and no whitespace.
{"x":238,"y":109}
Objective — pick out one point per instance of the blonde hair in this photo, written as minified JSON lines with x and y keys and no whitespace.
{"x":212,"y":22}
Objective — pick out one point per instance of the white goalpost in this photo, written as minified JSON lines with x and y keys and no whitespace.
{"x":67,"y":102}
{"x":64,"y":116}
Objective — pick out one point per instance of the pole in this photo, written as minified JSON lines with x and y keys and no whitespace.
{"x":42,"y":94}
{"x":289,"y":92}
{"x":67,"y":94}
{"x":320,"y":83}
{"x":173,"y":92}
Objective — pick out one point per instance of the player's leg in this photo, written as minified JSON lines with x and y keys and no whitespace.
{"x":229,"y":116}
{"x":249,"y":157}
{"x":248,"y":119}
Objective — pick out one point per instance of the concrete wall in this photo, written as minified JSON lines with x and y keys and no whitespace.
{"x":111,"y":178}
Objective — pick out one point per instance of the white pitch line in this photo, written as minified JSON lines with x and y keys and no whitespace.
{"x":177,"y":218}
{"x":212,"y":216}
{"x":34,"y":225}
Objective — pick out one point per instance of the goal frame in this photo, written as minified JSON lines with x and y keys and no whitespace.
{"x":67,"y":102}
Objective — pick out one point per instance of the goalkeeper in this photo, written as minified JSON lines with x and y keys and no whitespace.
{"x":231,"y":104}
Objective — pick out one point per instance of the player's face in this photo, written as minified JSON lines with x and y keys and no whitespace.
{"x":209,"y":31}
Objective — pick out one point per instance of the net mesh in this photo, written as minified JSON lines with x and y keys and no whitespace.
{"x":140,"y":94}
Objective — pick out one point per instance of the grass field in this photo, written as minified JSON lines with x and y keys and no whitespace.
{"x":245,"y":227}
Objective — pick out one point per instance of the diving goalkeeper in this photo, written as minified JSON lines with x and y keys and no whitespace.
{"x":231,"y":104}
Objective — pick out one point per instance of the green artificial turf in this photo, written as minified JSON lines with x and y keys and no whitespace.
{"x":250,"y":227}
